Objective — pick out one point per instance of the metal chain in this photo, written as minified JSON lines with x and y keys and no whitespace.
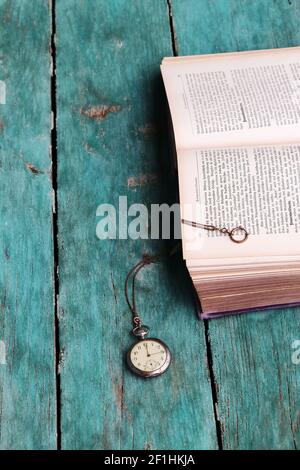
{"x":237,"y":234}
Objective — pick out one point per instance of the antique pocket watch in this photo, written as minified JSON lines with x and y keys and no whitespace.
{"x":149,"y":357}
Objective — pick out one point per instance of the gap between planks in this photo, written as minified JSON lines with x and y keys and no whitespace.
{"x":209,"y":355}
{"x":52,"y":12}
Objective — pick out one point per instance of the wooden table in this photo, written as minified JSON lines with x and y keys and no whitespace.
{"x":64,"y":322}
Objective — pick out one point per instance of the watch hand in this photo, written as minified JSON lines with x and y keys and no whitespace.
{"x":159,"y":352}
{"x":147,"y":350}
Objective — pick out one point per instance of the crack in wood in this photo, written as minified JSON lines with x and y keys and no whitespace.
{"x":172,"y":28}
{"x":209,"y":356}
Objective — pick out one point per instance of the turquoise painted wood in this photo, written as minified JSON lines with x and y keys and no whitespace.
{"x":112,"y":140}
{"x":257,"y":383}
{"x":27,"y":366}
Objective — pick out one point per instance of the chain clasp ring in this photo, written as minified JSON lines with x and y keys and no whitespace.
{"x":238,"y":234}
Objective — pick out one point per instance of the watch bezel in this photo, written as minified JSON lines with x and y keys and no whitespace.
{"x":153,"y":373}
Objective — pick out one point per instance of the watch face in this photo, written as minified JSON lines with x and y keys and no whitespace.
{"x":149,"y":357}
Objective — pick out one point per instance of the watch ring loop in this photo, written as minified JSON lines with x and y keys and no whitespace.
{"x":238,"y":234}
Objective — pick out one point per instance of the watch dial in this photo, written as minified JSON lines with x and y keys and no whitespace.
{"x":149,"y":356}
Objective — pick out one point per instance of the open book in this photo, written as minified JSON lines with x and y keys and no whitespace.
{"x":236,"y":120}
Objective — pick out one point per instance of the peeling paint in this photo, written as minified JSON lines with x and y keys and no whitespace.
{"x":6,"y":254}
{"x":2,"y":353}
{"x":119,"y":394}
{"x":89,"y":149}
{"x":114,"y":288}
{"x":99,"y":113}
{"x":118,"y":43}
{"x":33,"y":169}
{"x":61,"y":361}
{"x":141,"y":180}
{"x":2,"y":92}
{"x":148,"y":129}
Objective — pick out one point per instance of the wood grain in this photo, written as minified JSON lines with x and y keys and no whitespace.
{"x":257,"y":383}
{"x":27,"y":367}
{"x":111,"y":142}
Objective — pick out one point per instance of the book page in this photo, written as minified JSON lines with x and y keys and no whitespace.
{"x":255,"y":187}
{"x":234,"y":99}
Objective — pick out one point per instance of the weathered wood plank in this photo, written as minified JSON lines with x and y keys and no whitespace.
{"x":27,"y":380}
{"x":110,"y":110}
{"x":257,"y":383}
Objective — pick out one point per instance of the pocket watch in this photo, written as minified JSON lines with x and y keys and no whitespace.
{"x":149,"y":357}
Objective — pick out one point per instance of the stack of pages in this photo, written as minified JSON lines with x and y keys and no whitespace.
{"x":236,"y":121}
